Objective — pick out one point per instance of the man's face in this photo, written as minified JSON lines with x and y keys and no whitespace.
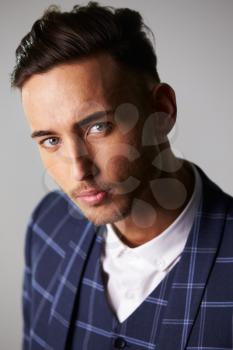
{"x":87,"y":118}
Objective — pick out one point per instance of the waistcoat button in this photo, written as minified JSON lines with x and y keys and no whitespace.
{"x":120,"y":343}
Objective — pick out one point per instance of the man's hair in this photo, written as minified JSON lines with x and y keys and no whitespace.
{"x":62,"y":37}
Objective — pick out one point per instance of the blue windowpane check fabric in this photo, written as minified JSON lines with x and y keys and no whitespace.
{"x":90,"y":331}
{"x":197,"y":303}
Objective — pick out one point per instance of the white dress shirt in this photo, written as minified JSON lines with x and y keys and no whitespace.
{"x":133,"y":273}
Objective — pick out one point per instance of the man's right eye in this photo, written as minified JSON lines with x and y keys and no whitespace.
{"x":50,"y":142}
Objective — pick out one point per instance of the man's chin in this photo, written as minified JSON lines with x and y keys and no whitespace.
{"x":106,"y":214}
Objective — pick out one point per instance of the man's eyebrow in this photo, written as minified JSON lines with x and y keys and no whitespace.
{"x":90,"y":118}
{"x":39,"y":133}
{"x":93,"y":117}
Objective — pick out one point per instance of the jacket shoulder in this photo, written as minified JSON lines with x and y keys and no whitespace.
{"x":54,"y":207}
{"x":54,"y":222}
{"x":230,"y":211}
{"x":52,"y":202}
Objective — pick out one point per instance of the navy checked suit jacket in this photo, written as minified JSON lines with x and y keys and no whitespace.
{"x":199,"y":314}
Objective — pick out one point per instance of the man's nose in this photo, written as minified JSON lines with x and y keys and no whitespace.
{"x":81,"y":163}
{"x":82,"y":168}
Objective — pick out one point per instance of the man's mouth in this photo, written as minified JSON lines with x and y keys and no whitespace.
{"x":92,"y":197}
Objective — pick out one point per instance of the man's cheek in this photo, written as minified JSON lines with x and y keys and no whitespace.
{"x":58,"y":172}
{"x":117,"y":167}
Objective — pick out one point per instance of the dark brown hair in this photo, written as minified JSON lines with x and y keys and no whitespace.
{"x":60,"y":37}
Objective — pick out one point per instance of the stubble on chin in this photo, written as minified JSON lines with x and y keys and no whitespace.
{"x":107,"y":214}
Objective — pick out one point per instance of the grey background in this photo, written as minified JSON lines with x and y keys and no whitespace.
{"x":195,"y":55}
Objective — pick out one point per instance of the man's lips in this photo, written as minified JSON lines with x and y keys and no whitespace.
{"x":88,"y":193}
{"x":92,"y":196}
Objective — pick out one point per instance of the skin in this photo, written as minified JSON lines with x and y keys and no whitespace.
{"x":123,"y":149}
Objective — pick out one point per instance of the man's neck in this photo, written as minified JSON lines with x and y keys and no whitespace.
{"x":150,"y":217}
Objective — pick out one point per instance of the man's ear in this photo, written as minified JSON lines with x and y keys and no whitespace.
{"x":164,"y":107}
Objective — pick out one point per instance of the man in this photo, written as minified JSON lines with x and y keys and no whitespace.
{"x":135,"y":250}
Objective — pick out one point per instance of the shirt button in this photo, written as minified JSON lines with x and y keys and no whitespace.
{"x":120,"y":343}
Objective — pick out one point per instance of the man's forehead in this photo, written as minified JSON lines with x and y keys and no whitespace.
{"x":94,"y":70}
{"x":75,"y":81}
{"x":59,"y":99}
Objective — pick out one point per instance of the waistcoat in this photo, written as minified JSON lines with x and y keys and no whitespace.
{"x":95,"y":325}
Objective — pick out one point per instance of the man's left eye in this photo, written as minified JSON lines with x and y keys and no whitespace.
{"x":98,"y":128}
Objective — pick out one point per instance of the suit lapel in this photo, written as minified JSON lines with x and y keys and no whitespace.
{"x":193,"y":269}
{"x":69,"y":281}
